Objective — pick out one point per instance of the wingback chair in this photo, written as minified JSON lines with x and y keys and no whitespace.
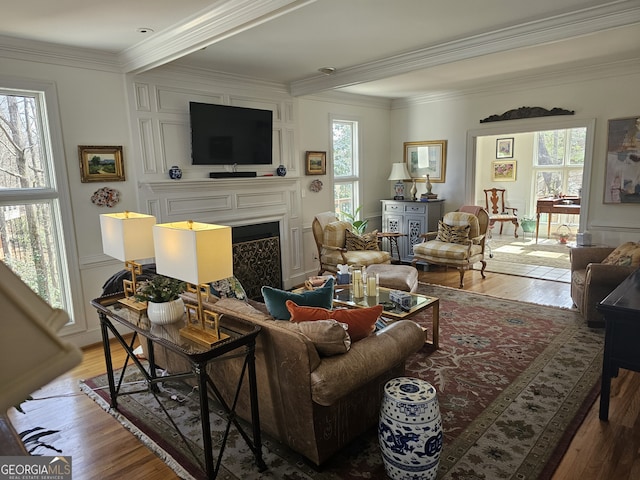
{"x":498,"y":211}
{"x":330,"y":237}
{"x":459,"y":241}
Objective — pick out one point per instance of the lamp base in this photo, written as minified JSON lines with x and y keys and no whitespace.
{"x":201,"y":336}
{"x":132,"y":304}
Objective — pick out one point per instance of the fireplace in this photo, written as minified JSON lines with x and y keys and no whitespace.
{"x":256,"y":257}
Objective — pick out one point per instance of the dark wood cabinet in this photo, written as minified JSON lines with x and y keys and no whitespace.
{"x":621,"y":310}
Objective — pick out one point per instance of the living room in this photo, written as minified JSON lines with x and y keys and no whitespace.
{"x":146,"y":113}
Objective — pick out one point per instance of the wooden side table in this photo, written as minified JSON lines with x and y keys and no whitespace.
{"x":393,"y":242}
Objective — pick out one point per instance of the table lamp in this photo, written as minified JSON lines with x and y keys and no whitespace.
{"x":399,"y":172}
{"x":128,"y":236}
{"x":196,"y":253}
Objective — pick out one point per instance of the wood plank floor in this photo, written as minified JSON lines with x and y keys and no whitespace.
{"x":102,"y":449}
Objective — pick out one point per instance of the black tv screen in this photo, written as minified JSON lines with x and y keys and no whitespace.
{"x":225,"y":135}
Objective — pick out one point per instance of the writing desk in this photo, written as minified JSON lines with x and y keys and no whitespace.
{"x":566,"y":205}
{"x":621,"y":310}
{"x":240,"y":343}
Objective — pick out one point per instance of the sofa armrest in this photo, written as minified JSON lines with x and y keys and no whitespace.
{"x":599,"y":275}
{"x":368,"y":358}
{"x":582,"y":256}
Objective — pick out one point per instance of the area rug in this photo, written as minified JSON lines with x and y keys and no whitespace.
{"x":514,"y":382}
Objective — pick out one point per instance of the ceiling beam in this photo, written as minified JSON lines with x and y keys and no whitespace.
{"x":224,"y":18}
{"x":533,"y":33}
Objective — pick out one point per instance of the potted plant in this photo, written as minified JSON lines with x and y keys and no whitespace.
{"x":163,"y":296}
{"x":359,"y":226}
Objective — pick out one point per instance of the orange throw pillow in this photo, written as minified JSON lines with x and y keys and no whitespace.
{"x":361,"y":321}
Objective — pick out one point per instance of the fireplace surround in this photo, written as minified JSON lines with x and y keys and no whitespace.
{"x":245,"y":204}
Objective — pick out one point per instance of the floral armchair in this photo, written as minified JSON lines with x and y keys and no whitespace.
{"x":337,"y":244}
{"x":459,"y":241}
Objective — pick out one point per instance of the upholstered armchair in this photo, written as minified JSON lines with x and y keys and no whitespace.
{"x":334,"y":247}
{"x":595,"y":273}
{"x":458,"y":243}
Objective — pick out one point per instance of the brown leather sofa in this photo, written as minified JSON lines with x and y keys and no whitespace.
{"x":592,"y":281}
{"x":315,"y":405}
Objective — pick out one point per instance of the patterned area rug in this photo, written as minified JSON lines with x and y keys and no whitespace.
{"x":514,"y":382}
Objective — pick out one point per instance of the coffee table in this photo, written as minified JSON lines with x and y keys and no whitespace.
{"x":392,"y":312}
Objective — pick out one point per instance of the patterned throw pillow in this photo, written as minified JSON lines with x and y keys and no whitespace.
{"x":453,"y":234}
{"x":626,"y":255}
{"x":367,"y":241}
{"x":228,"y":288}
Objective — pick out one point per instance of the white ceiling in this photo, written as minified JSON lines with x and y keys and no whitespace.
{"x":387,"y":48}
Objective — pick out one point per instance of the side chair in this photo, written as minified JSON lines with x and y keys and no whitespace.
{"x":498,"y":212}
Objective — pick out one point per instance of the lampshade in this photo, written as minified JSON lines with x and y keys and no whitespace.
{"x":193,"y":252}
{"x":127,"y":235}
{"x":399,"y":172}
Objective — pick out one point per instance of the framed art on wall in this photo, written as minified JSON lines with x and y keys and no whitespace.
{"x":622,"y":174}
{"x":504,"y":148}
{"x":426,"y":158}
{"x":316,"y":163}
{"x":101,"y":164}
{"x":504,"y":171}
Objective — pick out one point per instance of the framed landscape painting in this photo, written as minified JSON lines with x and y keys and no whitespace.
{"x":101,"y":164}
{"x":316,"y":163}
{"x":426,"y":158}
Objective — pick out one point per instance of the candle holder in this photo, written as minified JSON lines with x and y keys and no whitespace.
{"x":357,"y":281}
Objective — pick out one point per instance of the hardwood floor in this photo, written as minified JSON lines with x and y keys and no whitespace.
{"x":102,"y":449}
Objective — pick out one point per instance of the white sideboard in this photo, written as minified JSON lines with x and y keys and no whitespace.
{"x":412,"y":219}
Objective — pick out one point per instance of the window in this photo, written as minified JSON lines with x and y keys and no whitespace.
{"x":558,"y":162}
{"x":31,"y":232}
{"x":345,"y":158}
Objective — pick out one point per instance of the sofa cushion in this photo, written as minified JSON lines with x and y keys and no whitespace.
{"x":361,"y":321}
{"x":626,"y":255}
{"x":330,"y":337}
{"x":275,"y":299}
{"x":367,"y":241}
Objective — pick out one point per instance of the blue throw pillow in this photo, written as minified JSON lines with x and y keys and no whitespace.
{"x":275,"y":299}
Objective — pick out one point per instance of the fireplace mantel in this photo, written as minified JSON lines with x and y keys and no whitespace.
{"x":234,"y":202}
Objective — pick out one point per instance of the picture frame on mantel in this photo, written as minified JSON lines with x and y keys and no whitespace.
{"x":101,"y":163}
{"x":426,"y":158}
{"x":316,"y":163}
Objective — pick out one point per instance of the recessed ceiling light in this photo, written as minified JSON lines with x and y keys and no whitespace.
{"x":327,"y":70}
{"x":144,"y":30}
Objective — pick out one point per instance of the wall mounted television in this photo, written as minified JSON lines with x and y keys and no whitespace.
{"x":227,"y":135}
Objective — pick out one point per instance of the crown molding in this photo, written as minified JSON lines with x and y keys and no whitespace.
{"x":347,"y":98}
{"x":533,"y":33}
{"x":615,"y":68}
{"x":42,"y":52}
{"x":222,"y":20}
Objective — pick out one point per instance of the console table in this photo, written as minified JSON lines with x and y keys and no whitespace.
{"x":621,"y":310}
{"x":241,"y":343}
{"x":566,"y":205}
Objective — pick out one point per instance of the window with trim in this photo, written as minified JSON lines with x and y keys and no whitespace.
{"x":31,"y":233}
{"x":346,"y":171}
{"x":558,"y":162}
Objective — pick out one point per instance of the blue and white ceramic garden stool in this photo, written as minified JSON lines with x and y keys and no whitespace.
{"x":410,"y":429}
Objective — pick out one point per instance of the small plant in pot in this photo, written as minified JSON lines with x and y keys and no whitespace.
{"x":163,"y":296}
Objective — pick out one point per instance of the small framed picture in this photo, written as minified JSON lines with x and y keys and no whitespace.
{"x":316,"y":163}
{"x":426,"y":158}
{"x":504,"y":171}
{"x":101,"y":164}
{"x":504,"y":148}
